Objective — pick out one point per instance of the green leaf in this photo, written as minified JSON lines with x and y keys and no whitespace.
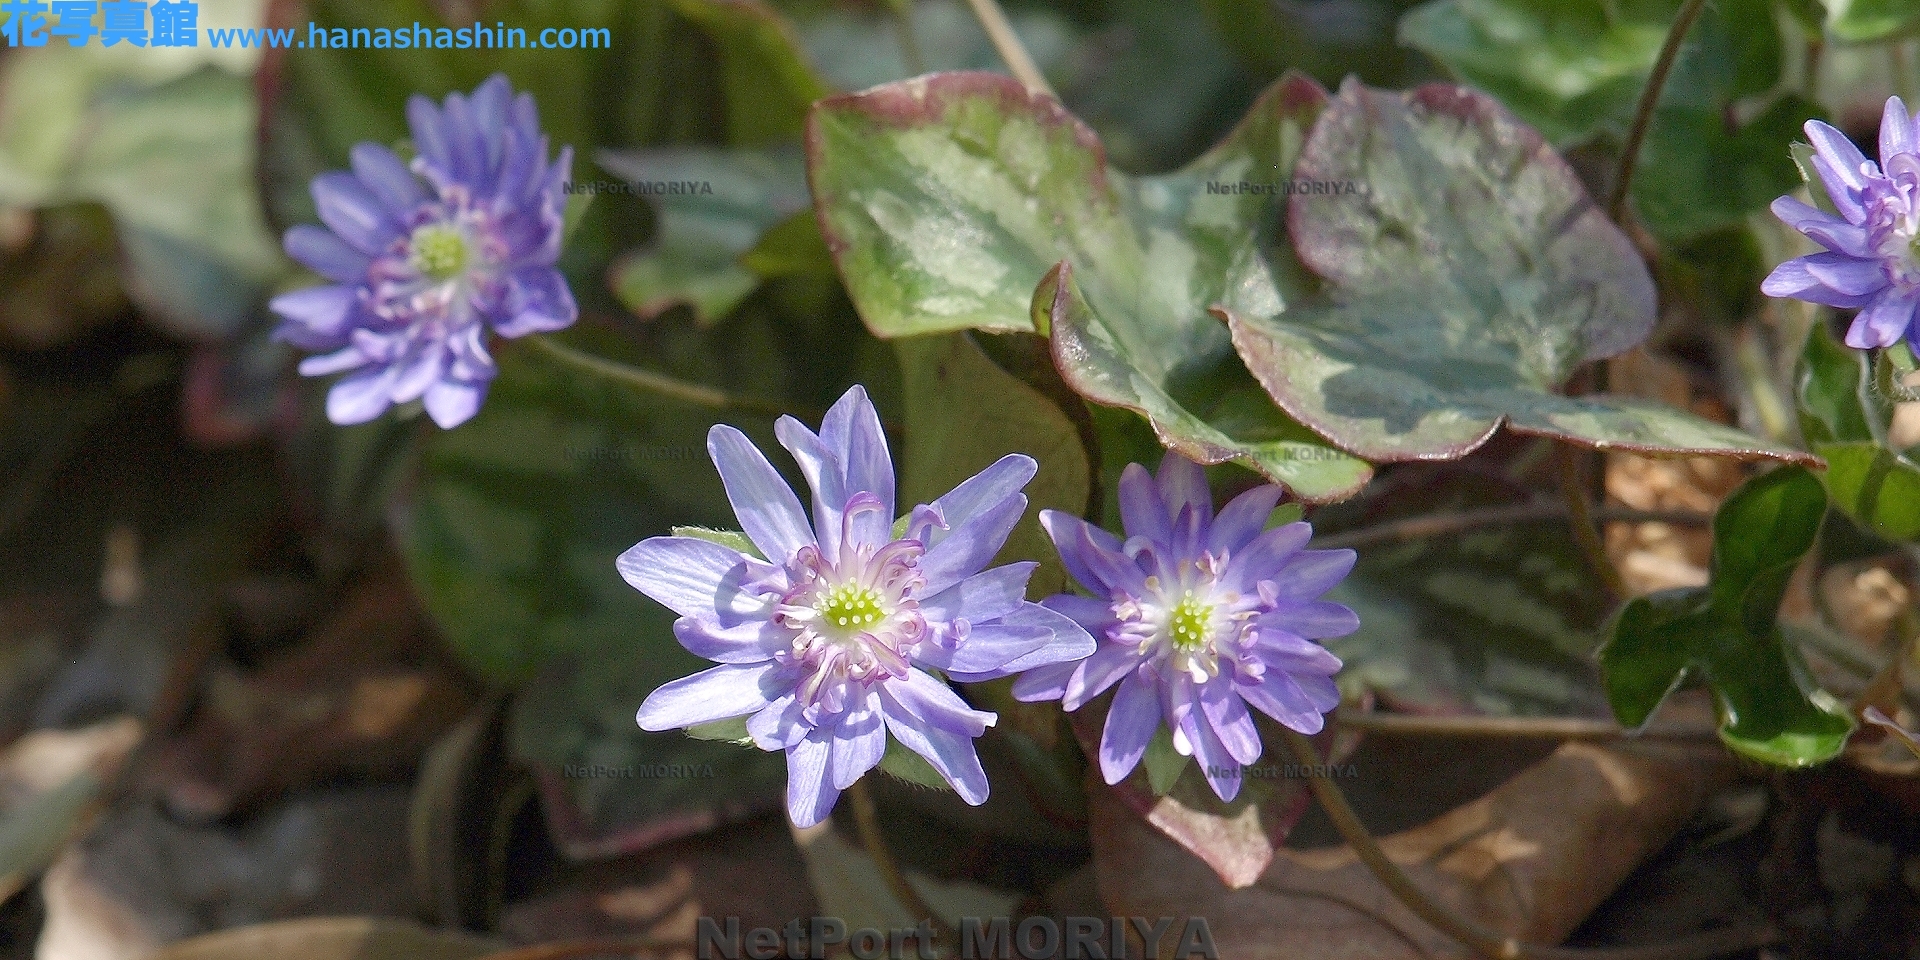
{"x":949,"y":200}
{"x":732,"y":731}
{"x":716,"y":206}
{"x":903,"y":764}
{"x":1164,"y":764}
{"x":1459,"y":289}
{"x":1803,"y":154}
{"x":1846,"y":405}
{"x":1497,"y":620}
{"x":963,"y":413}
{"x":1861,"y":21}
{"x":1726,"y":633}
{"x":731,"y":539}
{"x":169,"y":156}
{"x":1576,"y":70}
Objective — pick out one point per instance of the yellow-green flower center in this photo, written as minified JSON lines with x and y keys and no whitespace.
{"x":439,"y":251}
{"x":1190,"y":623}
{"x":850,"y":608}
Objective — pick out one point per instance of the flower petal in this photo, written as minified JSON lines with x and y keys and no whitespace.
{"x":852,"y":431}
{"x":1184,"y":483}
{"x":1793,"y":279}
{"x":951,"y":754}
{"x":858,"y":742}
{"x":362,"y":396}
{"x":1896,"y":130}
{"x":983,"y":491}
{"x":386,"y":177}
{"x":1313,"y":619}
{"x":987,"y":648}
{"x":810,"y":795}
{"x":1067,"y":642}
{"x":1093,"y":615}
{"x":1258,"y":560}
{"x":718,"y":693}
{"x":1298,"y":701}
{"x":697,"y":578}
{"x":1071,"y":538}
{"x":755,"y":641}
{"x":1044,"y":683}
{"x":1242,"y":519}
{"x":1227,"y":714}
{"x":318,"y":318}
{"x":1218,"y":765}
{"x":1823,"y":228}
{"x":1310,"y":573}
{"x":1102,"y":670}
{"x":824,"y":474}
{"x":1882,"y":323}
{"x":1131,"y":720}
{"x":538,"y":301}
{"x":983,"y":596}
{"x":1847,"y":275}
{"x":780,"y":725}
{"x":352,"y":212}
{"x":323,"y":252}
{"x":934,"y":704}
{"x":453,"y":402}
{"x":970,"y":545}
{"x":1143,"y":511}
{"x":768,"y":511}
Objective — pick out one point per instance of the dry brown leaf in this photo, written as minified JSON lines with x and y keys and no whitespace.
{"x":1530,"y":860}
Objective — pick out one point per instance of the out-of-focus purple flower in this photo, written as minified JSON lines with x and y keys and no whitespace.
{"x":1197,"y":617}
{"x":1872,"y":257}
{"x":827,"y":643}
{"x":426,"y":257}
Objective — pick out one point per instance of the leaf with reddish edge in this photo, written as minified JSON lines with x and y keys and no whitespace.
{"x":1238,"y":839}
{"x":946,"y":200}
{"x":1464,"y":278}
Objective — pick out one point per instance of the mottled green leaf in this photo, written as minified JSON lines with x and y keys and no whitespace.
{"x":1846,"y":405}
{"x":1726,"y":633}
{"x":1467,"y":279}
{"x":947,"y":200}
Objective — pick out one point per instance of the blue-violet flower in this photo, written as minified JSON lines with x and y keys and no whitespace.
{"x":1197,"y":617}
{"x":827,"y":642}
{"x":1872,"y":257}
{"x":426,"y":257}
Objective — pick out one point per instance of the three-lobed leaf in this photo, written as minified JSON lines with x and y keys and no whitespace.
{"x":1846,"y":405}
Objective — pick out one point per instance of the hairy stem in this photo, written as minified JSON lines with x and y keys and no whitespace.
{"x":696,"y":394}
{"x":868,"y":824}
{"x":1488,"y":943}
{"x":1449,"y":522}
{"x":1585,"y":531}
{"x":1012,"y":52}
{"x":1649,"y":98}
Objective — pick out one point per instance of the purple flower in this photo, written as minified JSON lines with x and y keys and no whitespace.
{"x":1872,"y":258}
{"x":1198,"y":616}
{"x":424,"y":258}
{"x":827,"y":642}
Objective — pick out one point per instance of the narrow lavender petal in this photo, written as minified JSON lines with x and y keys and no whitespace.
{"x":1823,"y":228}
{"x":1847,"y":275}
{"x":1183,"y":482}
{"x":951,"y":754}
{"x":1792,"y":279}
{"x":1131,"y":721}
{"x":1218,"y":765}
{"x":1120,"y":573}
{"x":1837,"y":150}
{"x":1143,"y":512}
{"x":1882,"y":323}
{"x":1094,"y":615}
{"x":1227,"y":714}
{"x":1242,"y":519}
{"x":347,"y":358}
{"x":318,"y":317}
{"x":859,"y":742}
{"x":1842,"y":189}
{"x":934,"y":705}
{"x":453,"y":402}
{"x":1105,"y":668}
{"x":781,"y":724}
{"x":429,"y":133}
{"x":1280,"y":695}
{"x":824,"y":474}
{"x":420,"y":371}
{"x":768,"y":511}
{"x":1896,"y":130}
{"x":1310,"y":573}
{"x":471,"y":362}
{"x":538,"y":301}
{"x":983,"y":491}
{"x":386,"y":177}
{"x":869,"y":466}
{"x":810,"y":796}
{"x":1044,"y":683}
{"x":361,"y":397}
{"x":983,"y":596}
{"x":718,"y":693}
{"x":1064,"y":529}
{"x":323,"y":252}
{"x":353,"y":213}
{"x":696,"y":578}
{"x":987,"y":648}
{"x":1258,"y":560}
{"x":1313,"y":619}
{"x":1067,"y":642}
{"x":750,"y":642}
{"x":1189,"y":534}
{"x":971,"y":545}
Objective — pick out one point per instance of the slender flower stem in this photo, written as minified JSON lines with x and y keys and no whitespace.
{"x":1585,"y":531}
{"x":1486,"y":942}
{"x":1649,"y":98}
{"x":1518,"y":728}
{"x":868,"y":824}
{"x":1449,"y":522}
{"x":697,"y":394}
{"x":1012,"y":52}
